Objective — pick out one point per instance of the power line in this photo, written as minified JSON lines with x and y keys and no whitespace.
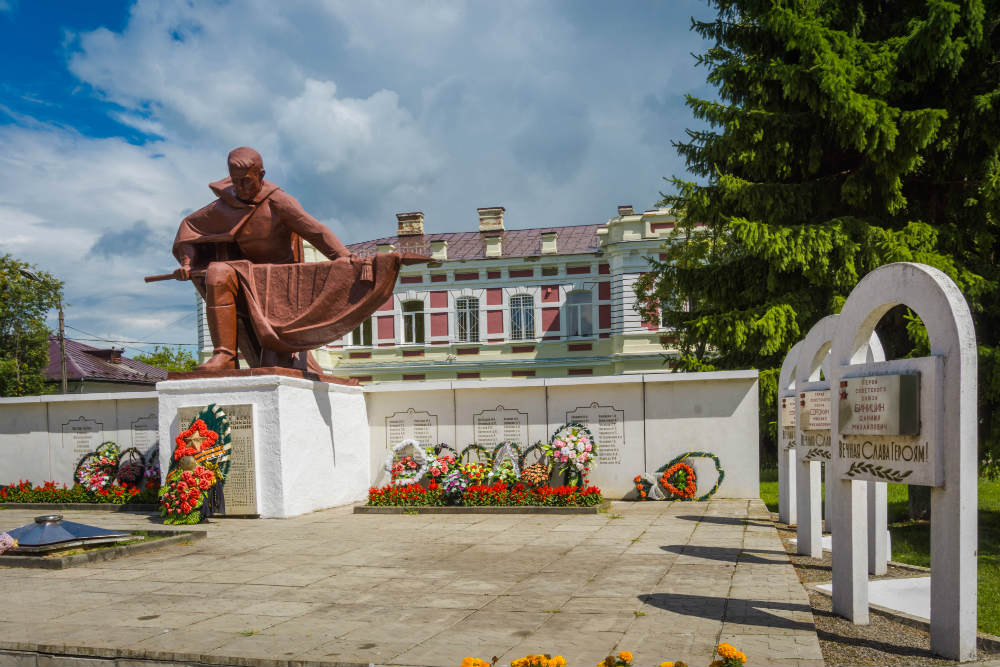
{"x":135,"y":342}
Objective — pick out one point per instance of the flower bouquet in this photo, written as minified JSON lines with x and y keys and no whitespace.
{"x":184,"y":493}
{"x":453,"y":486}
{"x":574,"y":447}
{"x":474,"y":473}
{"x":199,"y":463}
{"x":504,"y":472}
{"x":97,"y":472}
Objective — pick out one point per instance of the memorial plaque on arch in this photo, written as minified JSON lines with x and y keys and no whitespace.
{"x":82,"y":436}
{"x":816,"y":417}
{"x":411,"y":424}
{"x":491,"y":427}
{"x":607,"y":424}
{"x":888,"y":425}
{"x":240,"y":486}
{"x":787,"y":421}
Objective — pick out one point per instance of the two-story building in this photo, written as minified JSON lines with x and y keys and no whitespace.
{"x":494,"y":303}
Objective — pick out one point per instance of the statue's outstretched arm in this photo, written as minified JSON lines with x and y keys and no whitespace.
{"x":319,"y":235}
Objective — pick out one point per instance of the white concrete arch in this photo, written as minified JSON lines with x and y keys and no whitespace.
{"x":814,"y":356}
{"x":949,"y":384}
{"x":786,"y":439}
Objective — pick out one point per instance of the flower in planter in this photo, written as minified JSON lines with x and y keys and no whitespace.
{"x":729,"y":656}
{"x":440,"y":466}
{"x":454,"y":485}
{"x":539,"y":660}
{"x":535,"y":474}
{"x":505,"y":472}
{"x":473,"y":472}
{"x":623,"y":659}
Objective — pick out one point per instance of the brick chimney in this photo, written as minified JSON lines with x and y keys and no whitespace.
{"x":410,"y":224}
{"x":491,"y":219}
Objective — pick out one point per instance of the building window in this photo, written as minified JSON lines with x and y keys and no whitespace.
{"x":468,"y":319}
{"x":579,"y":314}
{"x":413,"y":322}
{"x":522,"y":317}
{"x":362,"y":336}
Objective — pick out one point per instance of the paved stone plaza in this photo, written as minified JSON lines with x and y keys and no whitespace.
{"x":666,"y":581}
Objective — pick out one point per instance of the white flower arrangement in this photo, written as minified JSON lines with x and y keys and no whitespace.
{"x":412,"y":476}
{"x":505,"y":467}
{"x":573,"y":446}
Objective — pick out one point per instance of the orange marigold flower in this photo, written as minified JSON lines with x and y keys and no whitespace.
{"x":625,"y":656}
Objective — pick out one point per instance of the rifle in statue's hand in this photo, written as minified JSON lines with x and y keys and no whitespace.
{"x":170,"y":276}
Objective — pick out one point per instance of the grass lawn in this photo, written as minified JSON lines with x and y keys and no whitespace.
{"x":911,"y":539}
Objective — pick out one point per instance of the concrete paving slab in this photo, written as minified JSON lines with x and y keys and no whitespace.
{"x":663,"y":580}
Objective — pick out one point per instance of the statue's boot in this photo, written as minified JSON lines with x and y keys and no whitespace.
{"x":222,"y":326}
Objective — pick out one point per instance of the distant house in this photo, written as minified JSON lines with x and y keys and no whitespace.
{"x":92,"y":370}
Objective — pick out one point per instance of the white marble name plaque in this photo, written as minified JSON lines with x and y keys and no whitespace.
{"x":815,"y":410}
{"x":607,"y":425}
{"x":240,"y":486}
{"x":492,"y":427}
{"x":880,"y":405}
{"x":145,"y":432}
{"x":411,"y":425}
{"x":788,"y":411}
{"x":82,"y":436}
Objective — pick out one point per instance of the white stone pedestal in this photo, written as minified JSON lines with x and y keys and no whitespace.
{"x":310,"y":439}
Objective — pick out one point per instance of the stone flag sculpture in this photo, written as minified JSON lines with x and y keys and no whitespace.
{"x":244,"y":253}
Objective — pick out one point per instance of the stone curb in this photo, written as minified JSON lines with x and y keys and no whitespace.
{"x":104,"y":507}
{"x":486,"y":509}
{"x":984,"y":641}
{"x":172,"y":538}
{"x":24,"y":654}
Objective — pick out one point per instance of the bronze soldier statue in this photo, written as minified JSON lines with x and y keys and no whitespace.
{"x":244,"y":253}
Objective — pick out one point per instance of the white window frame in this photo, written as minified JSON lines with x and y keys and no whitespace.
{"x":475,"y":318}
{"x":578,"y":309}
{"x":371,"y":334}
{"x":412,"y":316}
{"x":530,"y":333}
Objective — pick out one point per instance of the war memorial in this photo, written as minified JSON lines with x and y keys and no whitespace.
{"x":304,"y":519}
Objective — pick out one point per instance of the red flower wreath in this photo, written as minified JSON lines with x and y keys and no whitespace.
{"x":200,"y":434}
{"x":690,"y":487}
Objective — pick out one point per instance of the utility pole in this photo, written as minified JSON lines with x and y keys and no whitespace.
{"x":62,"y":349}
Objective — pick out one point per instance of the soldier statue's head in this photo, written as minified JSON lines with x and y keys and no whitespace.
{"x":246,"y":169}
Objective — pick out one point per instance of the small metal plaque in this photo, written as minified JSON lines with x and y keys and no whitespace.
{"x":880,"y":405}
{"x":240,"y":487}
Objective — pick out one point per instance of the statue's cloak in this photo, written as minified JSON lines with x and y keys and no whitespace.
{"x":291,"y":306}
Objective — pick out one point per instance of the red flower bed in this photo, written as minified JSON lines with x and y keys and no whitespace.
{"x":491,"y":495}
{"x":50,"y":492}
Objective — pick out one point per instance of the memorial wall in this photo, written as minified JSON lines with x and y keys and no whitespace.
{"x":43,"y":437}
{"x":640,"y":422}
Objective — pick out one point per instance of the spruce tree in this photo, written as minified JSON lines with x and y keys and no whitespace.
{"x":846,"y":134}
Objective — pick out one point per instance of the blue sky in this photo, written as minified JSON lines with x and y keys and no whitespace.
{"x":114,"y":117}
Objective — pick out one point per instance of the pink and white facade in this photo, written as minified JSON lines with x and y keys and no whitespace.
{"x":495,"y":303}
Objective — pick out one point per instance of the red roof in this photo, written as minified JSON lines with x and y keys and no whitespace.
{"x":571,"y":240}
{"x":84,"y":362}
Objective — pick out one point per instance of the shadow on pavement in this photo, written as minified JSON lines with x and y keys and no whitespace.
{"x":728,"y":554}
{"x":743,"y":612}
{"x":725,"y":520}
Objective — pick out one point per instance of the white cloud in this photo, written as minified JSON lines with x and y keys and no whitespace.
{"x":360,"y":109}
